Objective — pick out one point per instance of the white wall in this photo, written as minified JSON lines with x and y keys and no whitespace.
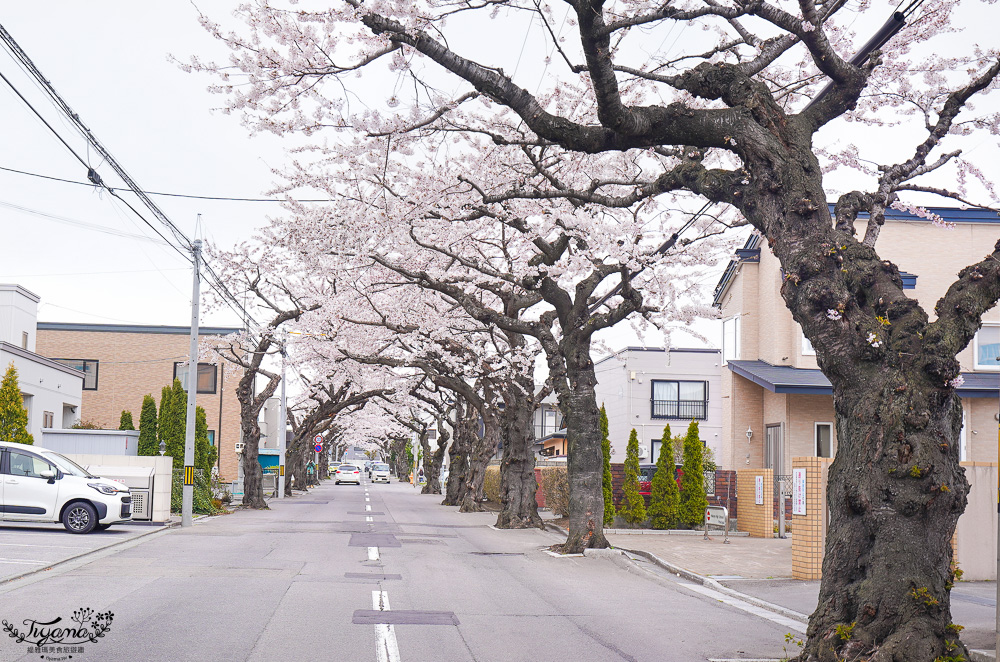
{"x":96,"y":442}
{"x":627,"y":399}
{"x":162,"y":475}
{"x":18,"y":314}
{"x":46,"y":387}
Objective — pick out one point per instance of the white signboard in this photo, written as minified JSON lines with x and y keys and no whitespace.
{"x":798,"y":491}
{"x":759,"y":496}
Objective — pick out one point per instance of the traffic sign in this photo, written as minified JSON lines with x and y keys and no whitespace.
{"x":318,"y":439}
{"x":318,"y":448}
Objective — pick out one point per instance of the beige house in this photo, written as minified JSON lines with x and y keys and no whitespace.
{"x":122,"y":362}
{"x":777,"y":405}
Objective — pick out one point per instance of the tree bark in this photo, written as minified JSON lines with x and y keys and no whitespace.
{"x":517,"y":469}
{"x":483,"y":448}
{"x":253,"y":474}
{"x":458,"y":458}
{"x":585,"y":462}
{"x":433,"y":462}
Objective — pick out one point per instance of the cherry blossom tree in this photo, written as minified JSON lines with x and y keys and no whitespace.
{"x":753,"y":118}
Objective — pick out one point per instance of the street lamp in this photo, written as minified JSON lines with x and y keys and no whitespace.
{"x":163,"y":447}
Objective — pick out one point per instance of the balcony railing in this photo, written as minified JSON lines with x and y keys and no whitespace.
{"x":682,"y":409}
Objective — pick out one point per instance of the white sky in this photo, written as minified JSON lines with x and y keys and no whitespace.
{"x":108,"y":59}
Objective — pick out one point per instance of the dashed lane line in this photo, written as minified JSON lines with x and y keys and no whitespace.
{"x":373,"y":554}
{"x":386,"y":648}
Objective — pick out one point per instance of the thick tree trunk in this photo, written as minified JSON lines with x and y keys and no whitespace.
{"x":432,"y":466}
{"x":253,"y":474}
{"x":895,"y":486}
{"x":483,"y":448}
{"x":295,"y":467}
{"x":517,"y":469}
{"x":323,"y":471}
{"x":458,"y":460}
{"x":585,"y":463}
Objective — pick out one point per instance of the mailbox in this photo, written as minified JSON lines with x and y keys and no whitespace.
{"x":139,"y":480}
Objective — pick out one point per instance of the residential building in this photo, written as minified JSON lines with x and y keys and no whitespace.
{"x":123,"y":362}
{"x":550,"y":429}
{"x":777,"y":403}
{"x":51,"y":392}
{"x":648,"y":388}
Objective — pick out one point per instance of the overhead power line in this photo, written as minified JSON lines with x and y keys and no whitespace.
{"x":186,"y":246}
{"x":221,"y":198}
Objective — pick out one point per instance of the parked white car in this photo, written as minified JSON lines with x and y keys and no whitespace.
{"x":40,"y":485}
{"x":380,"y":473}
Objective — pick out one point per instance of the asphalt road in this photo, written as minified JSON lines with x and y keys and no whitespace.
{"x":375,"y":572}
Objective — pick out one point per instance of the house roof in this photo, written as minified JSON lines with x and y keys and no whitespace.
{"x":14,"y":350}
{"x":810,"y":381}
{"x":949,"y":214}
{"x":135,"y":328}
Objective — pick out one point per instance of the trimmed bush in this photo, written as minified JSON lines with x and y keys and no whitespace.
{"x":664,"y":502}
{"x":202,"y":500}
{"x":125,"y":422}
{"x":13,"y":415}
{"x":491,"y":484}
{"x":607,"y":480}
{"x":633,"y":508}
{"x":693,"y":499}
{"x":148,"y":444}
{"x":555,"y":485}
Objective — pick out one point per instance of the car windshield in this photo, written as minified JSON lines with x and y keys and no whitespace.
{"x":381,"y":467}
{"x":67,"y":466}
{"x":346,"y":467}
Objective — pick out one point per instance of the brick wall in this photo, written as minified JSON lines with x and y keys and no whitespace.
{"x":809,"y":530}
{"x":756,"y":519}
{"x":130,"y":365}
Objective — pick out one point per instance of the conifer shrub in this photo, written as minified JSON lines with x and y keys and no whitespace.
{"x":148,"y":444}
{"x":607,"y":479}
{"x":632,"y":508}
{"x":13,"y":415}
{"x":664,"y":502}
{"x":693,"y":499}
{"x":125,"y":422}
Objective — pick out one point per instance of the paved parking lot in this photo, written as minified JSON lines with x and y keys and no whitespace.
{"x":26,"y":547}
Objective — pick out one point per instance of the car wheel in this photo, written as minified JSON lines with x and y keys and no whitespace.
{"x":102,"y":527}
{"x":336,"y":482}
{"x":80,"y":517}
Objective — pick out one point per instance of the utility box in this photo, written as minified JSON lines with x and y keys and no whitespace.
{"x":139,"y":480}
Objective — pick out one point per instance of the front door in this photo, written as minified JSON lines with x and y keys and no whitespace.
{"x":28,"y":496}
{"x":773,"y":452}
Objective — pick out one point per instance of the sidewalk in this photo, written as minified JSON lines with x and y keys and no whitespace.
{"x":761,"y":568}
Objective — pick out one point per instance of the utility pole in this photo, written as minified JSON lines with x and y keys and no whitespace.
{"x":282,"y":416}
{"x":192,"y":390}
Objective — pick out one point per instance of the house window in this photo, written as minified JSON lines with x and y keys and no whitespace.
{"x":824,"y":440}
{"x":48,"y":419}
{"x":677,"y":399}
{"x":731,"y":340}
{"x":207,"y":374}
{"x":211,"y":437}
{"x":773,"y":450}
{"x":89,"y":368}
{"x":987,"y":347}
{"x":24,"y":340}
{"x":807,"y":347}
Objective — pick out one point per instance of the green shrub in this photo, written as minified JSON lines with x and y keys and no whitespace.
{"x":125,"y":422}
{"x":633,"y":508}
{"x":491,"y":484}
{"x":148,"y":444}
{"x":664,"y":502}
{"x":607,"y":480}
{"x":555,"y":485}
{"x":693,"y":499}
{"x":201,"y":502}
{"x":13,"y":415}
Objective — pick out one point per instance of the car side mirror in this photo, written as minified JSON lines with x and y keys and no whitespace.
{"x":48,"y":475}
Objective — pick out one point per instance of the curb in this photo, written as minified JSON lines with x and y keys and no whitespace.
{"x":158,"y":529}
{"x":982,"y":656}
{"x":716,"y":586}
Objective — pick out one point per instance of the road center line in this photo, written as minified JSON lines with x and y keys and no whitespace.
{"x":373,"y":553}
{"x":386,"y":648}
{"x":368,"y":507}
{"x":369,"y":519}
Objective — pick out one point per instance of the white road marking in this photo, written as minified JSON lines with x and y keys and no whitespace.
{"x":369,"y":519}
{"x":24,"y":561}
{"x":783,"y":621}
{"x":373,"y":553}
{"x":367,"y":499}
{"x":368,"y":508}
{"x":386,"y":648}
{"x":14,"y":544}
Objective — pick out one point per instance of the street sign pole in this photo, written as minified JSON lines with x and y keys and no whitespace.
{"x":282,"y":414}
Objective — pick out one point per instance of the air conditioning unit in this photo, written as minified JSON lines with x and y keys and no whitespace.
{"x":239,"y":446}
{"x":642,"y":452}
